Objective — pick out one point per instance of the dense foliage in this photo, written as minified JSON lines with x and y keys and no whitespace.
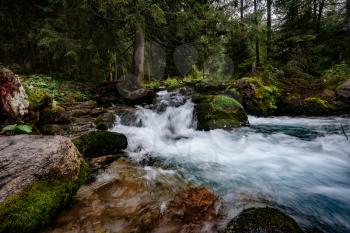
{"x":100,"y":40}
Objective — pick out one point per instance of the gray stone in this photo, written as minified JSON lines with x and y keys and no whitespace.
{"x":26,"y":159}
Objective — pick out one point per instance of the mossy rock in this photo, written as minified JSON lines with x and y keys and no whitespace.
{"x":105,"y":121}
{"x":258,"y":98}
{"x":39,"y":203}
{"x":38,"y":99}
{"x":219,"y":111}
{"x":54,"y":115}
{"x":99,"y":143}
{"x":263,"y":220}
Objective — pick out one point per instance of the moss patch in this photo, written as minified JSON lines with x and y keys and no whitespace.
{"x":225,"y":103}
{"x":258,"y":98}
{"x":219,"y":112}
{"x":38,"y":99}
{"x":101,"y":143}
{"x":263,"y":220}
{"x":39,"y":203}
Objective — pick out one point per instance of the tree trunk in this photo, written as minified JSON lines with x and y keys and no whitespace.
{"x":242,"y":9}
{"x":319,"y":17}
{"x":139,"y":58}
{"x":257,"y":45}
{"x":269,"y":30}
{"x":347,"y":6}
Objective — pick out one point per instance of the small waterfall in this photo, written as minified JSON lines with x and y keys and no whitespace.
{"x":301,"y":165}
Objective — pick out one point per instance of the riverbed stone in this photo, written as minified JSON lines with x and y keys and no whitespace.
{"x":263,"y":220}
{"x":105,"y":121}
{"x":38,"y":176}
{"x":193,"y":211}
{"x":99,"y":143}
{"x":219,"y":112}
{"x":124,"y":198}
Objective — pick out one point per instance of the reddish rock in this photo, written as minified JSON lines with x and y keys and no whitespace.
{"x":13,"y":99}
{"x":196,"y":210}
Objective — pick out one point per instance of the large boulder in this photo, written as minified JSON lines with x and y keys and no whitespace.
{"x":38,"y":176}
{"x":13,"y":99}
{"x":343,"y":91}
{"x":219,"y":111}
{"x":263,"y":220}
{"x":99,"y":143}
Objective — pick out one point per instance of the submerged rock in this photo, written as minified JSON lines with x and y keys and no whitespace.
{"x":13,"y":99}
{"x":37,"y":178}
{"x":125,"y":198}
{"x":196,"y":210}
{"x":263,"y":220}
{"x":219,"y":112}
{"x":99,"y":143}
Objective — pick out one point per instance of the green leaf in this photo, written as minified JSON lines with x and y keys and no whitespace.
{"x":9,"y":128}
{"x":24,"y":128}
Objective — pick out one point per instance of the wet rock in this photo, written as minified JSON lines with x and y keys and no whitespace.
{"x":81,"y":112}
{"x":91,"y":104}
{"x":38,"y":176}
{"x":343,"y":91}
{"x":196,"y":210}
{"x":55,"y":115}
{"x":126,"y":114}
{"x":219,"y":112}
{"x":105,"y":121}
{"x":124,"y":198}
{"x":263,"y":220}
{"x":103,"y":161}
{"x":99,"y":143}
{"x":13,"y":99}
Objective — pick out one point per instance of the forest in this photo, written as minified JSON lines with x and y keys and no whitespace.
{"x":207,"y":116}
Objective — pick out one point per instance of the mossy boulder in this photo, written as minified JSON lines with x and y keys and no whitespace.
{"x":38,"y":99}
{"x":105,"y":121}
{"x":39,"y":203}
{"x":219,"y":111}
{"x":258,"y":98}
{"x":263,"y":220}
{"x":54,"y":115}
{"x":296,"y":104}
{"x":39,"y":177}
{"x":99,"y":143}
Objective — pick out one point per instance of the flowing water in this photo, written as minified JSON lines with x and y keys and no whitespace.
{"x":300,"y":165}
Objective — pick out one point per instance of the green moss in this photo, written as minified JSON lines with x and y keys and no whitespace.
{"x":100,"y":143}
{"x":263,"y":220}
{"x":172,"y":83}
{"x":317,"y":102}
{"x":154,"y":84}
{"x":39,"y":203}
{"x":219,"y":112}
{"x":38,"y":98}
{"x":260,"y":100}
{"x":225,"y":103}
